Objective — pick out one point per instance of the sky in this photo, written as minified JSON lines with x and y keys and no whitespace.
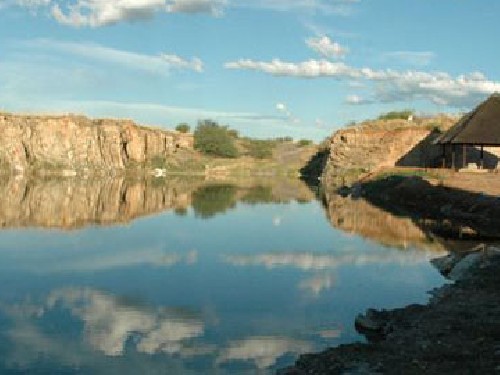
{"x":267,"y":68}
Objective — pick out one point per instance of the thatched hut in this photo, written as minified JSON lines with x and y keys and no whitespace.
{"x":476,"y":133}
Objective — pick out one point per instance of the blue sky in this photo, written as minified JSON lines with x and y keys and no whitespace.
{"x":267,"y":68}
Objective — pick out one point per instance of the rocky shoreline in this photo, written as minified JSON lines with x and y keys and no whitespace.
{"x":457,"y":332}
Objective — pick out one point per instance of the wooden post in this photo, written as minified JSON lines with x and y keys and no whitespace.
{"x":453,"y":156}
{"x":464,"y":156}
{"x":482,"y":157}
{"x":444,"y":156}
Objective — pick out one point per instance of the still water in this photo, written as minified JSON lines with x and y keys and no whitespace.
{"x":181,"y":277}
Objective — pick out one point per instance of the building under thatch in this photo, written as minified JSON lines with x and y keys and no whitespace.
{"x":477,"y":134}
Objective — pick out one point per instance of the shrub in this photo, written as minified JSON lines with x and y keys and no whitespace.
{"x":397,"y":115}
{"x":259,"y":149}
{"x":214,"y":139}
{"x":304,"y":142}
{"x":183,"y":128}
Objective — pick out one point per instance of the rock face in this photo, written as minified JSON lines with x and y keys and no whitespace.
{"x":372,"y":145}
{"x":76,"y":142}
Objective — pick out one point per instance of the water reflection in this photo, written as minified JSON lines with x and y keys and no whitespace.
{"x":114,"y":327}
{"x":216,"y":277}
{"x":71,"y":203}
{"x":262,"y":351}
{"x":109,"y":323}
{"x":358,"y":216}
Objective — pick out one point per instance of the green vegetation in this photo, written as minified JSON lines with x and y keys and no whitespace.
{"x":397,"y":115}
{"x":259,"y":148}
{"x":305,"y":142}
{"x":213,"y":199}
{"x":215,"y":140}
{"x":183,"y":128}
{"x":259,"y":194}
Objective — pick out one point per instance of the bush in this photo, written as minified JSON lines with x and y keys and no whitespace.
{"x":183,"y":128}
{"x":397,"y":115}
{"x":259,"y":149}
{"x":304,"y":142}
{"x":214,"y":139}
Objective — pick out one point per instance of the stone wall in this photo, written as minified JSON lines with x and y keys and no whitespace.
{"x":76,"y":142}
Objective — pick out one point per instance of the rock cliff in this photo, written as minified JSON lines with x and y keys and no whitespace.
{"x":77,"y":143}
{"x":371,"y":145}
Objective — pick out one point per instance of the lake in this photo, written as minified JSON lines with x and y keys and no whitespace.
{"x":193,"y":277}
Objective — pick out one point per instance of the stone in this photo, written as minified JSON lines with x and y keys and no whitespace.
{"x":462,"y":269}
{"x":76,"y":143}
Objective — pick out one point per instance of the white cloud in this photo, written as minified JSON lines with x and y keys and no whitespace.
{"x":32,"y":3}
{"x":307,"y":69}
{"x":387,"y":85}
{"x":326,"y":47}
{"x":160,"y":64}
{"x":338,"y":7}
{"x":178,"y":62}
{"x":356,"y":100}
{"x":95,"y":13}
{"x":411,"y":57}
{"x":214,"y":7}
{"x":282,"y":107}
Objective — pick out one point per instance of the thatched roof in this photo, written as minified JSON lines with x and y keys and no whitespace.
{"x":479,"y":127}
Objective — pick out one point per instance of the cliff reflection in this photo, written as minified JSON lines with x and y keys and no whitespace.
{"x":358,"y":216}
{"x":72,"y":203}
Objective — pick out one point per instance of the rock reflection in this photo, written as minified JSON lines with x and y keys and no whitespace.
{"x":72,"y":203}
{"x":359,"y":217}
{"x":262,"y":351}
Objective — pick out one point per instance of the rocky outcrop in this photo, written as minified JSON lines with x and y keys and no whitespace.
{"x":366,"y":147}
{"x":77,"y":143}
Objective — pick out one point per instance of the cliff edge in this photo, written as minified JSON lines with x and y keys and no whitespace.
{"x":77,"y":143}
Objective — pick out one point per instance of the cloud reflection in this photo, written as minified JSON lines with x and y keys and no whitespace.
{"x":109,"y":323}
{"x":320,"y":261}
{"x":262,"y":351}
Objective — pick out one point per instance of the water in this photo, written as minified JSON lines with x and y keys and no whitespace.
{"x":182,"y":277}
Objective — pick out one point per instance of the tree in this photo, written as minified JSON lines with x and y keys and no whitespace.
{"x":183,"y":128}
{"x":214,"y":139}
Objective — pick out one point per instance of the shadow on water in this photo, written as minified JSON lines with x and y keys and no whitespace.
{"x":402,"y":211}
